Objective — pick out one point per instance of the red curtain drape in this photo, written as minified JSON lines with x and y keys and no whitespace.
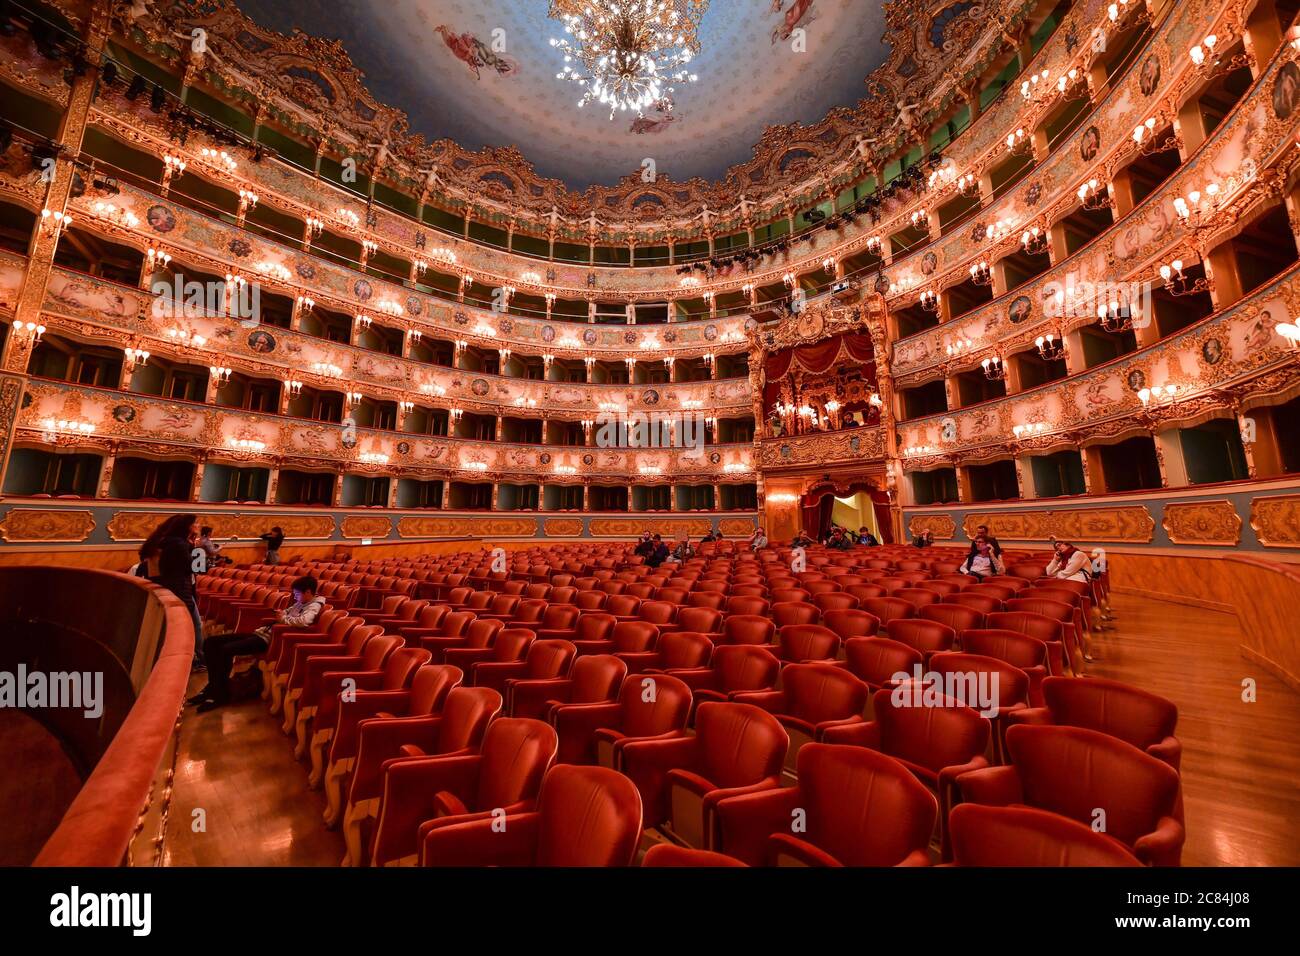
{"x":816,"y":512}
{"x":880,"y":505}
{"x":817,"y":358}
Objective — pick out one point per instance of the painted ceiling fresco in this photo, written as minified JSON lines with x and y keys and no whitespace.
{"x":482,"y":72}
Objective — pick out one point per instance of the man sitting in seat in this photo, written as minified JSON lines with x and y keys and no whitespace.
{"x":658,"y":552}
{"x":802,"y":540}
{"x":224,"y":648}
{"x":645,"y":546}
{"x":757,"y":540}
{"x":866,"y":538}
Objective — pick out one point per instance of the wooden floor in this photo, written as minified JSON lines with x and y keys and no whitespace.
{"x":1241,"y":761}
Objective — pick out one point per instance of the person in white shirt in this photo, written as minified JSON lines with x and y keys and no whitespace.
{"x":982,"y":560}
{"x":1069,"y":564}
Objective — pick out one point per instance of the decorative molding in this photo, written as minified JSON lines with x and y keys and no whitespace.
{"x":562,"y":527}
{"x":35,"y":524}
{"x":1276,"y":520}
{"x":365,"y":526}
{"x":736,"y":527}
{"x":1202,"y":522}
{"x":451,"y":527}
{"x":668,"y":527}
{"x":941,"y":526}
{"x":1120,"y":523}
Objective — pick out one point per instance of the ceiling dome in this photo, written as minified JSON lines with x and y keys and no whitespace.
{"x":483,"y":73}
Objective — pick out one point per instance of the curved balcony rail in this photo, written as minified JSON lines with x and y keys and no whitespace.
{"x":132,"y":667}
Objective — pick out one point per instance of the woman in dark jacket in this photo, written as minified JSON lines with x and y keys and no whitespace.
{"x":167,"y":559}
{"x":273,"y":538}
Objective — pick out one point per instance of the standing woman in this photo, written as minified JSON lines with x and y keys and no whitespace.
{"x":167,"y":559}
{"x":273,"y":538}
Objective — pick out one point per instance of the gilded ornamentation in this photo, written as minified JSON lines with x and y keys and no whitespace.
{"x":1276,"y":520}
{"x":1125,"y":523}
{"x":1202,"y":522}
{"x":941,"y":525}
{"x":461,"y":526}
{"x":562,"y":527}
{"x":365,"y":526}
{"x":735,"y":527}
{"x":668,"y":527}
{"x":36,"y":524}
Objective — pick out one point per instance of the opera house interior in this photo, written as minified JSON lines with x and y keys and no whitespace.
{"x":650,"y":433}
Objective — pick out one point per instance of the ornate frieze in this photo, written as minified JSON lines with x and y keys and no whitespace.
{"x":37,"y":524}
{"x":1118,"y":523}
{"x":1276,"y":520}
{"x":1202,"y":522}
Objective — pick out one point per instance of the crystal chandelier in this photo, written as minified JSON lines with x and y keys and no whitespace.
{"x":626,"y":54}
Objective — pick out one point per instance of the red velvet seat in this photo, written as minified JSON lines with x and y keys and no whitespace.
{"x":917,"y":597}
{"x":1024,"y":836}
{"x":928,"y":637}
{"x":542,"y":660}
{"x":1145,"y":720}
{"x":786,"y":613}
{"x":1046,"y":629}
{"x":588,"y":626}
{"x":586,"y":816}
{"x":456,"y":730}
{"x":800,"y":643}
{"x":955,"y":616}
{"x":936,"y":740}
{"x":877,"y":660}
{"x":851,"y":623}
{"x":396,"y":667}
{"x":426,"y":695}
{"x":704,"y":620}
{"x":984,"y":603}
{"x":835,"y":601}
{"x":671,"y":855}
{"x":425,"y":794}
{"x":460,"y":629}
{"x":507,"y":644}
{"x":648,"y":706}
{"x":334,"y":628}
{"x":675,"y":650}
{"x":737,"y":749}
{"x":733,"y":668}
{"x":746,"y":605}
{"x":1093,"y":778}
{"x":782,"y":595}
{"x":660,"y":613}
{"x":1007,"y":687}
{"x":747,"y":629}
{"x":630,"y":637}
{"x":310,"y":662}
{"x":814,"y":699}
{"x":1019,"y":650}
{"x":624,"y":607}
{"x":888,"y":609}
{"x":425,"y":623}
{"x":892,"y":816}
{"x":593,"y":679}
{"x":864,"y":591}
{"x":591,"y":600}
{"x":715,"y":600}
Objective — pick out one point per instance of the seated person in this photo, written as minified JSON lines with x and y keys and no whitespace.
{"x":982,"y":531}
{"x":708,"y":538}
{"x":682,"y":551}
{"x":802,"y":540}
{"x":923,"y":540}
{"x":982,"y":560}
{"x":839,"y":540}
{"x":658,"y":552}
{"x":866,"y":538}
{"x":644,"y":546}
{"x":757,"y":540}
{"x":1069,"y":564}
{"x":221,"y":650}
